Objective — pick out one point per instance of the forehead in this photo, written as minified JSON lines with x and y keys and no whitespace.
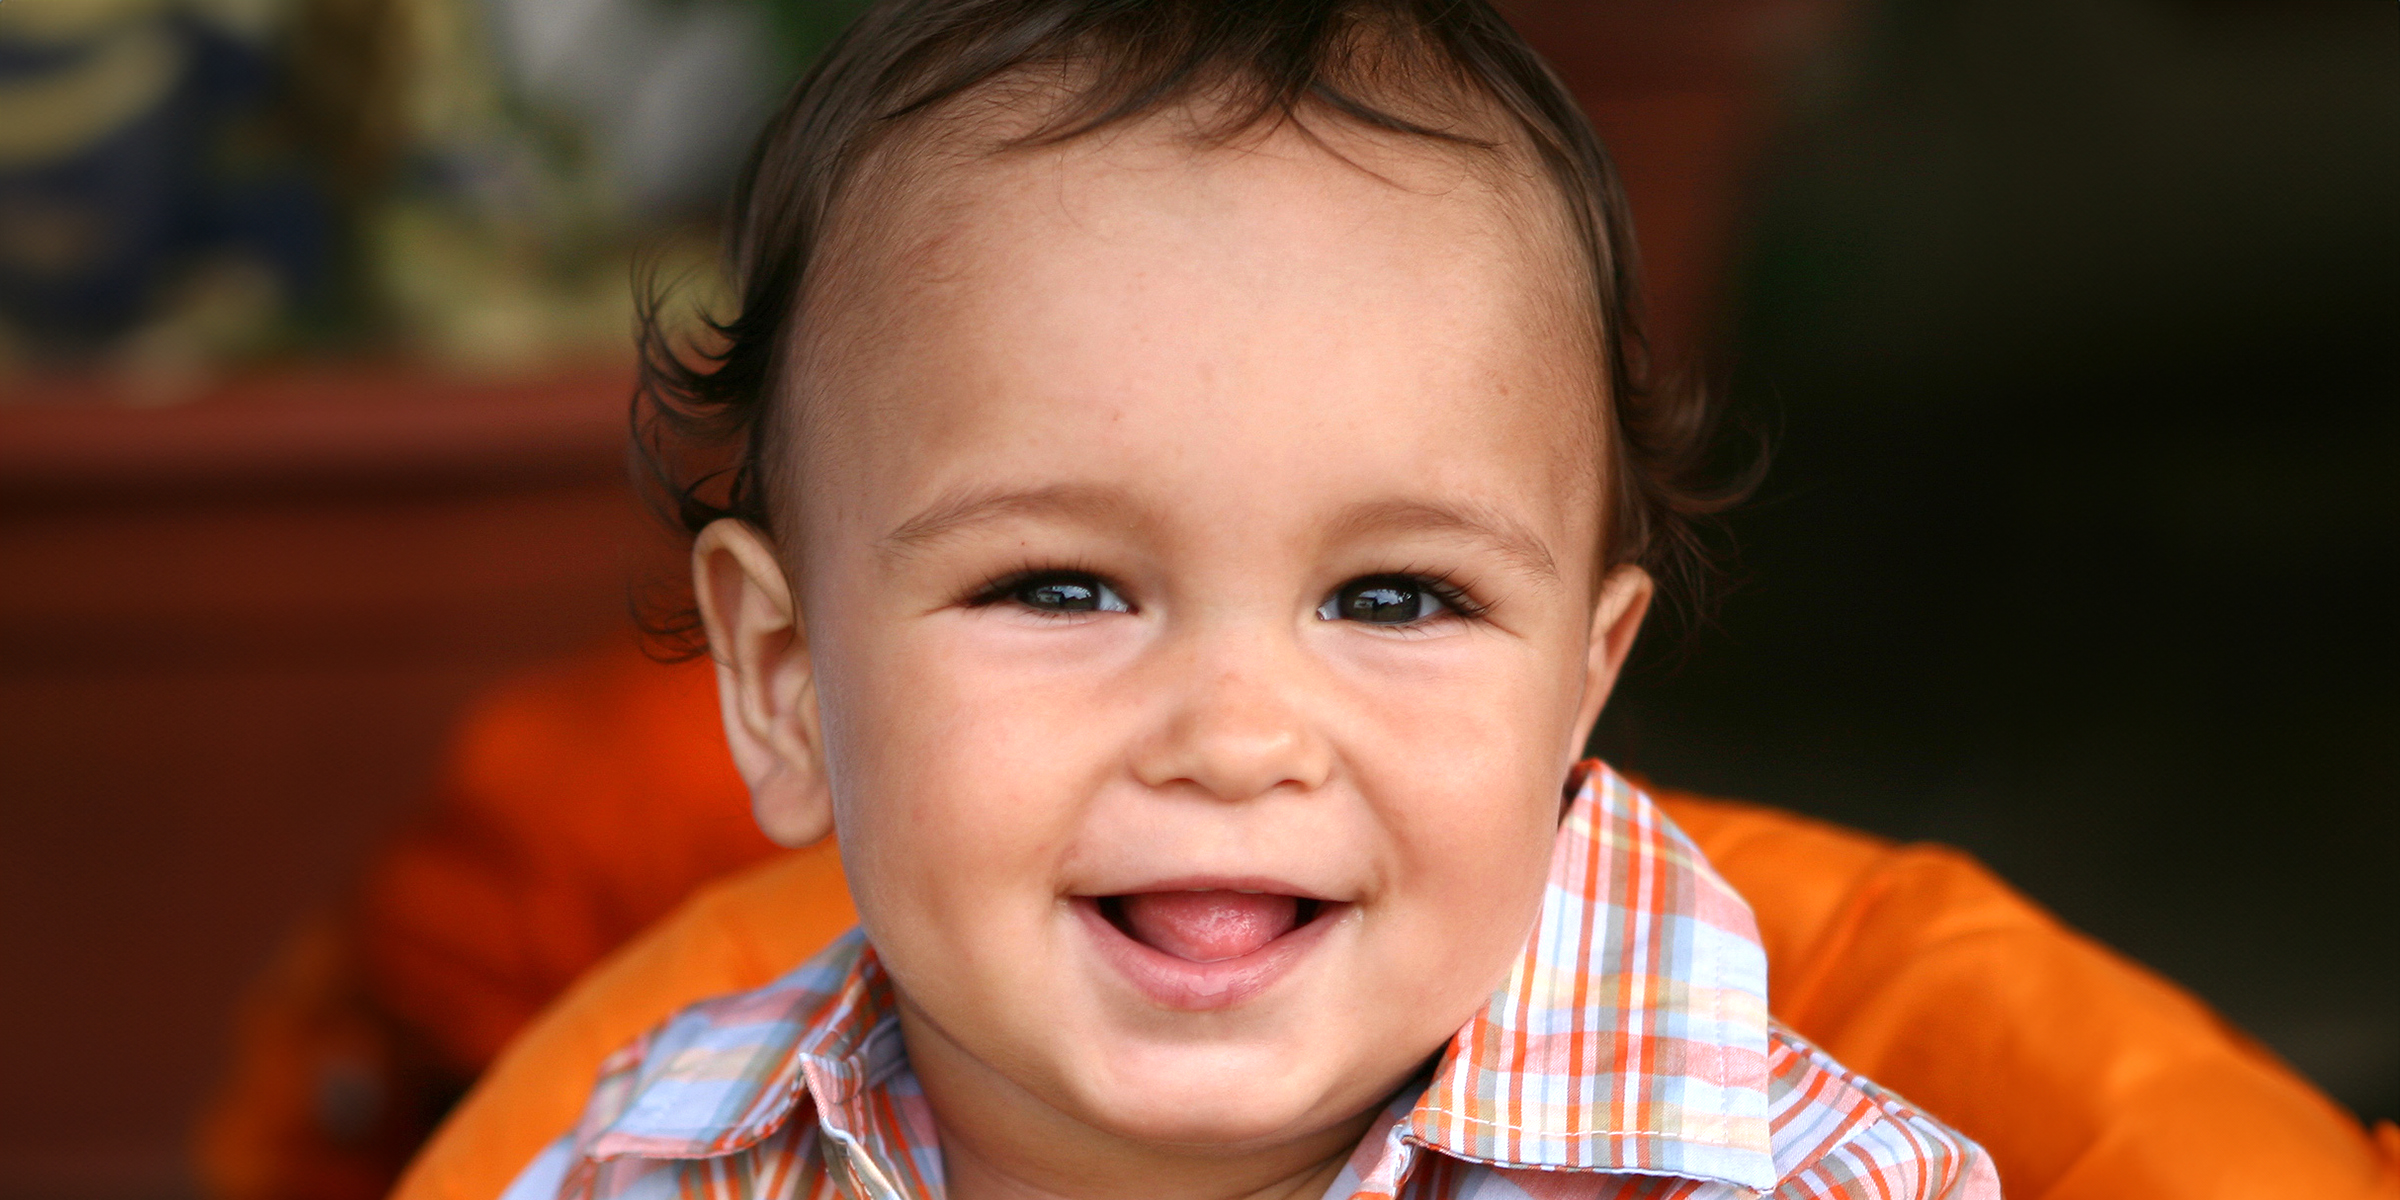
{"x":1338,"y":302}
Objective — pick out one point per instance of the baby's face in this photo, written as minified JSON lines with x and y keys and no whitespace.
{"x":1196,"y":553}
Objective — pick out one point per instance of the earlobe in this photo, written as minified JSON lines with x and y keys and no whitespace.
{"x":1616,"y":620}
{"x":766,"y":687}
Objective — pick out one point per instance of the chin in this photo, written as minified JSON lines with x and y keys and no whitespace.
{"x":1204,"y":1097}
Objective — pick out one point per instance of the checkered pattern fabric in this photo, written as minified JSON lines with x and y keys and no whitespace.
{"x":1629,"y":1054}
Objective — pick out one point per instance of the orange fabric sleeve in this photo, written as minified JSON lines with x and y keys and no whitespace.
{"x":324,"y":1098}
{"x":577,"y":806}
{"x":2085,"y":1075}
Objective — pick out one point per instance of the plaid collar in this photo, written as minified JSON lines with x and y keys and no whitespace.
{"x":1631,"y":1036}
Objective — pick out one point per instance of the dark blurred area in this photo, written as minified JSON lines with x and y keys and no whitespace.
{"x":2071,"y":323}
{"x":2074,"y":324}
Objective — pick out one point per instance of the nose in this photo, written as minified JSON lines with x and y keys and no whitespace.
{"x":1236,"y":732}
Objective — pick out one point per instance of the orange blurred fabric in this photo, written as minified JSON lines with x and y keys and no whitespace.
{"x":575,"y":806}
{"x":578,"y":806}
{"x":584,"y":803}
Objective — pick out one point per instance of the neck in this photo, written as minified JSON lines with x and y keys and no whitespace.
{"x":1002,"y":1142}
{"x":970,"y":1175}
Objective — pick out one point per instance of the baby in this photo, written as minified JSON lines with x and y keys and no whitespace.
{"x":1191,"y":499}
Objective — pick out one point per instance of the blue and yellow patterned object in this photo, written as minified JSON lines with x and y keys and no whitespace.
{"x":113,"y":171}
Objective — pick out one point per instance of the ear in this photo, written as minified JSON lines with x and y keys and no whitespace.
{"x":1624,"y":600}
{"x":765,"y":684}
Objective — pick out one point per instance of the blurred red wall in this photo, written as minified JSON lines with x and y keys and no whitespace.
{"x":231,"y":634}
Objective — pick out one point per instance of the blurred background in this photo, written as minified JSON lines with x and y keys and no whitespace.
{"x":2071,"y":323}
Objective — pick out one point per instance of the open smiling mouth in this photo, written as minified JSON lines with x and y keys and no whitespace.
{"x":1206,"y":948}
{"x":1210,"y":926}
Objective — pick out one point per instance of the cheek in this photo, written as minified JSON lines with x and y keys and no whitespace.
{"x":1471,"y":868}
{"x":1475,"y":847}
{"x":1466,"y":769}
{"x":1489,"y":716}
{"x":959,"y":775}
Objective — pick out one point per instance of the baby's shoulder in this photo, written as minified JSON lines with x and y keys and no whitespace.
{"x":724,"y":1070}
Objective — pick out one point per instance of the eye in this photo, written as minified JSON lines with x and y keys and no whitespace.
{"x":1385,"y":600}
{"x":1065,"y":592}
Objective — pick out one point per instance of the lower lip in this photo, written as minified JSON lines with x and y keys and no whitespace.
{"x":1180,"y":983}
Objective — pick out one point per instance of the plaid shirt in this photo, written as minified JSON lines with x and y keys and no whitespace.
{"x":1629,"y":1054}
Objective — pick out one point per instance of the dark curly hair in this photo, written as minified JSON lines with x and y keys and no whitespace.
{"x":703,"y":426}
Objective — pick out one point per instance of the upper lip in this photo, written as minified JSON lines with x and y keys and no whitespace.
{"x":1262,"y":884}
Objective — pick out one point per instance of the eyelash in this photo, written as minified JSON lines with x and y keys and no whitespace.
{"x":1002,"y":588}
{"x":1456,"y":594}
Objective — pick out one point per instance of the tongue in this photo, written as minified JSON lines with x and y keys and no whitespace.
{"x":1208,"y":926}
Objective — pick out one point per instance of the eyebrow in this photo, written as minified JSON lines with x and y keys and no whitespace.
{"x":963,"y":509}
{"x":1497,"y":530}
